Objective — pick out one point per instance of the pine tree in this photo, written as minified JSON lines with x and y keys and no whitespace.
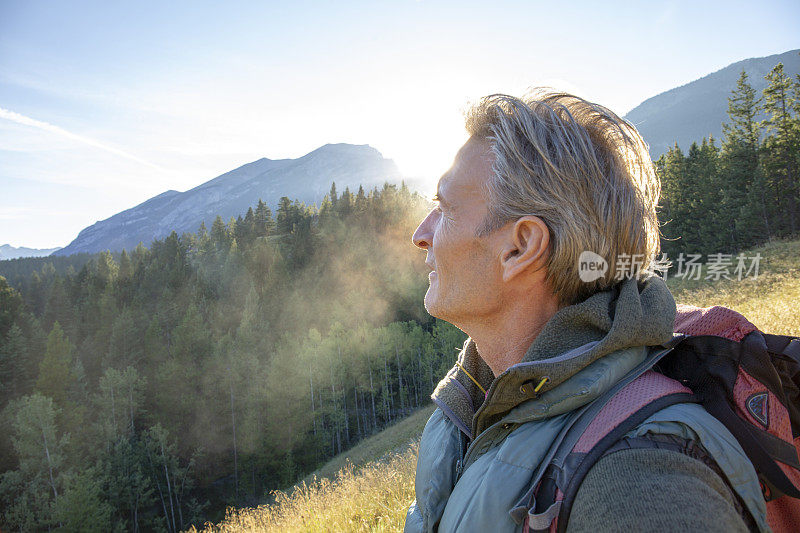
{"x":125,"y":266}
{"x":83,"y":506}
{"x":139,"y":254}
{"x":672,"y":172}
{"x":107,"y":269}
{"x":125,"y":347}
{"x":55,"y":370}
{"x":344,"y":206}
{"x":248,"y":225}
{"x":782,"y":145}
{"x":740,"y":165}
{"x":265,"y":225}
{"x":10,"y":306}
{"x":333,"y":195}
{"x":32,"y":491}
{"x":219,"y":234}
{"x":58,"y":308}
{"x":119,"y":401}
{"x":13,"y":371}
{"x":285,"y":216}
{"x":360,"y":206}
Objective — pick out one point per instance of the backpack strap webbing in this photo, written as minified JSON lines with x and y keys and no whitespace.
{"x":539,"y":501}
{"x":716,"y":404}
{"x":783,"y":345}
{"x":607,"y":442}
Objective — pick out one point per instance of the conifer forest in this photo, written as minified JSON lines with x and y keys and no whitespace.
{"x":147,"y":390}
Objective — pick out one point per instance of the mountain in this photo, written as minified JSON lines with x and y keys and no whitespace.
{"x":10,"y":252}
{"x":696,"y":110}
{"x":307,"y":178}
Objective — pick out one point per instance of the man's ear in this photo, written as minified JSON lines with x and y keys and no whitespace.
{"x":526,"y":248}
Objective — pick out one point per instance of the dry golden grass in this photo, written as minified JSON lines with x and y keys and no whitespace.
{"x":352,"y":492}
{"x":770,"y":301}
{"x":395,"y":437}
{"x":372,"y":498}
{"x":375,"y":496}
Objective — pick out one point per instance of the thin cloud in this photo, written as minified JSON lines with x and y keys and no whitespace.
{"x":27,"y":121}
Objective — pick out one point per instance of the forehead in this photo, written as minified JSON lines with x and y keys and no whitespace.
{"x":471,"y":168}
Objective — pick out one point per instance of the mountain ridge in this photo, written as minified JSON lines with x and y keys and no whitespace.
{"x":15,"y":252}
{"x":307,"y":178}
{"x":697,"y":109}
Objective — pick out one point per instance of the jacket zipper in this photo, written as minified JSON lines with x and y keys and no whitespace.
{"x":460,"y":465}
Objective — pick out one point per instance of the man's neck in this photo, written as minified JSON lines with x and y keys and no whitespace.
{"x":503,"y":340}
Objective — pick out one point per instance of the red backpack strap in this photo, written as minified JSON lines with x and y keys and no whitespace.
{"x":634,"y":404}
{"x":628,"y":407}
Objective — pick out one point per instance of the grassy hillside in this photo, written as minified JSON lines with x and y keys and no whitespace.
{"x":370,"y":487}
{"x":367,"y":488}
{"x":769,"y":300}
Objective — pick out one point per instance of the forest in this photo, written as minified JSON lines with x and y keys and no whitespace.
{"x":149,"y":389}
{"x":744,"y":192}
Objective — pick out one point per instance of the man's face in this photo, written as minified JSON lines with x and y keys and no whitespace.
{"x":463,"y":284}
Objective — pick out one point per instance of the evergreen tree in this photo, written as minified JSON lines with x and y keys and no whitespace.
{"x":740,"y":165}
{"x":360,"y":205}
{"x":55,"y":371}
{"x":344,"y":206}
{"x":265,"y":225}
{"x":58,"y":308}
{"x":248,"y":225}
{"x":10,"y":307}
{"x":13,"y":371}
{"x":107,"y":268}
{"x":128,"y":487}
{"x":219,"y":234}
{"x":334,"y":197}
{"x":83,"y":506}
{"x":285,"y":216}
{"x":119,"y":402}
{"x":125,"y":266}
{"x":672,"y":171}
{"x":31,"y":492}
{"x":782,"y":145}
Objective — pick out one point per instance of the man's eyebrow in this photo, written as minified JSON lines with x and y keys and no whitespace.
{"x":438,"y":199}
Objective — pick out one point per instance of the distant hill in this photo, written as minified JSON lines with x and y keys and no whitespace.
{"x":696,"y":110}
{"x":307,"y":178}
{"x":11,"y":252}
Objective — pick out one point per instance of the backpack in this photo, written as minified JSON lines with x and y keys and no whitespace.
{"x":748,"y":380}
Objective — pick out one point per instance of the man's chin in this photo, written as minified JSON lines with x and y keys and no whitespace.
{"x":430,"y":303}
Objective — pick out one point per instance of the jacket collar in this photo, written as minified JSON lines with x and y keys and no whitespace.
{"x":617,"y":321}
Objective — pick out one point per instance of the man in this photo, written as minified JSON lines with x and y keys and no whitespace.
{"x":541,"y":181}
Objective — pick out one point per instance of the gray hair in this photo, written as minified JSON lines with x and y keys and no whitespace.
{"x":584,"y":171}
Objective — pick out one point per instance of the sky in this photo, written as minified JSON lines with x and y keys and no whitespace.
{"x":106,"y":104}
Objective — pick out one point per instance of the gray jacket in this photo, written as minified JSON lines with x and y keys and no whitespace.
{"x":476,"y":484}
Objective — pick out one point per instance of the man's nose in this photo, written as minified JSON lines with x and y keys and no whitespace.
{"x":423,"y":236}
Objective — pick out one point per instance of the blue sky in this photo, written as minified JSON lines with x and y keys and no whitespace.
{"x":106,"y":104}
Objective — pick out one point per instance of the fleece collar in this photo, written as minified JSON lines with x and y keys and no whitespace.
{"x":630,"y":315}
